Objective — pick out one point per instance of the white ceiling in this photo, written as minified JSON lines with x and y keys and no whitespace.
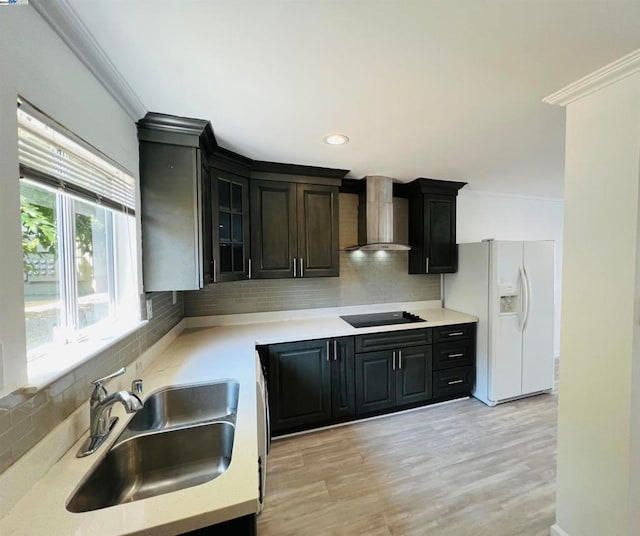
{"x":447,"y":89}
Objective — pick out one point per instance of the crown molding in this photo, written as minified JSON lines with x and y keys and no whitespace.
{"x":67,"y":24}
{"x":607,"y":75}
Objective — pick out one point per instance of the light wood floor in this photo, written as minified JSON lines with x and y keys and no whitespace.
{"x":453,"y":470}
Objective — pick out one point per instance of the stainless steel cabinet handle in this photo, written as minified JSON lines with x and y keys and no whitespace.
{"x":400,"y":359}
{"x":249,"y":268}
{"x":456,"y":355}
{"x":394,"y":360}
{"x":335,"y":349}
{"x":214,"y":270}
{"x":426,"y":265}
{"x":295,"y":268}
{"x":328,"y":351}
{"x":301,"y":267}
{"x":454,"y":382}
{"x":456,"y":333}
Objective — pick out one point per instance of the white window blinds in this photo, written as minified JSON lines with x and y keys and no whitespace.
{"x":47,"y":155}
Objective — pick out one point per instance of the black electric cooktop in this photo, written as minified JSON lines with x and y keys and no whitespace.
{"x":381,"y":319}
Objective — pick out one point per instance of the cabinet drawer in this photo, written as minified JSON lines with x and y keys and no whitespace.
{"x":392,"y":340}
{"x":453,"y":381}
{"x":457,"y":331}
{"x":453,"y":354}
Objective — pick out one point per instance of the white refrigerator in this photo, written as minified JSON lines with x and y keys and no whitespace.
{"x":509,"y":287}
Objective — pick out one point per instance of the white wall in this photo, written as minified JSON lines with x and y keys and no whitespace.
{"x":598,"y":489}
{"x":506,"y":217}
{"x":37,"y":65}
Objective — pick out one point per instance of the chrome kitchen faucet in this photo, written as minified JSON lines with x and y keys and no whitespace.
{"x":100,"y":421}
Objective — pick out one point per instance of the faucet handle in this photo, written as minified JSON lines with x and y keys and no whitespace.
{"x":136,"y":386}
{"x":100,"y":381}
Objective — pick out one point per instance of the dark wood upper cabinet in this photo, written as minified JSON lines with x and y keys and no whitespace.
{"x":211,"y":215}
{"x":274,"y":229}
{"x":176,"y":207}
{"x":432,"y":226}
{"x":230,"y":226}
{"x":318,"y":230}
{"x":294,"y":224}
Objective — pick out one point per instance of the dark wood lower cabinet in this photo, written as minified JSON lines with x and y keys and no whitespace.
{"x":299,"y":384}
{"x":392,"y":378}
{"x":375,"y":382}
{"x":311,"y":383}
{"x":322,"y":382}
{"x":343,"y":384}
{"x":413,"y":375}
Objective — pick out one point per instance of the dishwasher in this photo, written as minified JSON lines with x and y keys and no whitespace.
{"x":264,"y":429}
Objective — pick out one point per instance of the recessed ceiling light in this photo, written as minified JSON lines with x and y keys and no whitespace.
{"x":335,"y":139}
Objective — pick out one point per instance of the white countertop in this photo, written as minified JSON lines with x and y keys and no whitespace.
{"x":197,"y":355}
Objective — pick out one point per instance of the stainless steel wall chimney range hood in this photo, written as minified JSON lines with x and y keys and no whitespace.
{"x":376,"y":232}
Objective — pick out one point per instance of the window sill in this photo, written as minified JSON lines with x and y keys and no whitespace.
{"x":47,"y":369}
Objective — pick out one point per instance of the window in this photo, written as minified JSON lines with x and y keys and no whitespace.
{"x":78,"y":244}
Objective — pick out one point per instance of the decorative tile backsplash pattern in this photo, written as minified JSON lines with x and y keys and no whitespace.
{"x":365,"y":277}
{"x":370,"y":277}
{"x":25,"y":420}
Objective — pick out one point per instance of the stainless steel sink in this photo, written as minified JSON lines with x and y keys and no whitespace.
{"x":182,"y":437}
{"x":152,"y":464}
{"x":177,"y":406}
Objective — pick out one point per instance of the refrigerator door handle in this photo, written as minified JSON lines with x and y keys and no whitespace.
{"x":523,"y":299}
{"x":527,"y":287}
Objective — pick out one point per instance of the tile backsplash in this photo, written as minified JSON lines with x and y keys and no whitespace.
{"x":371,"y":277}
{"x":365,"y":277}
{"x":25,"y":419}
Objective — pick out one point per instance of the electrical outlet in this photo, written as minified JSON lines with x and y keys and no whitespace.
{"x":149,"y":309}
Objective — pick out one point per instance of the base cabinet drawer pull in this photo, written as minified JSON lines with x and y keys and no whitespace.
{"x":456,"y":355}
{"x":456,"y":333}
{"x":453,"y":382}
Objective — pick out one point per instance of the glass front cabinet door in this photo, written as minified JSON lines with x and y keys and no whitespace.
{"x":231,"y":237}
